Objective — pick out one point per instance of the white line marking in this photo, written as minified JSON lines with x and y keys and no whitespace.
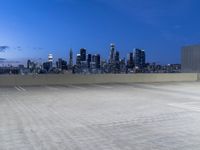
{"x":18,"y":89}
{"x":22,"y":88}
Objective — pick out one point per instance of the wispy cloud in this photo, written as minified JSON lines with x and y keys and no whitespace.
{"x":18,"y":48}
{"x":2,"y":59}
{"x":3,"y":48}
{"x":38,"y":48}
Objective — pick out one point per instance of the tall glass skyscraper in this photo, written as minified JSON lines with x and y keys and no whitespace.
{"x":83,"y":54}
{"x":139,"y":58}
{"x":112,"y":52}
{"x":70,"y":59}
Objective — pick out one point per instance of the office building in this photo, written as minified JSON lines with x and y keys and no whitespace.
{"x":89,"y":59}
{"x":117,"y":62}
{"x":50,"y":58}
{"x":117,"y":56}
{"x":139,"y":59}
{"x":97,"y":61}
{"x":47,"y":66}
{"x":190,"y":58}
{"x":112,"y":52}
{"x":130,"y":61}
{"x":78,"y":59}
{"x":83,"y":54}
{"x":61,"y":64}
{"x":70,"y":59}
{"x":29,"y":64}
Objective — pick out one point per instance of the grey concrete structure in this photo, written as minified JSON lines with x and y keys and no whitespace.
{"x":154,"y":116}
{"x":12,"y":80}
{"x":190,"y":59}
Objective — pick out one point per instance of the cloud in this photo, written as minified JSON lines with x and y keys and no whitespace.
{"x":2,"y":59}
{"x":3,"y":48}
{"x":38,"y":48}
{"x":6,"y":62}
{"x":18,"y":48}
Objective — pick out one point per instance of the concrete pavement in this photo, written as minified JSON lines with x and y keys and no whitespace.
{"x":101,"y":117}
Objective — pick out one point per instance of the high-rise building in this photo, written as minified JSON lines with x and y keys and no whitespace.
{"x":130,"y":61}
{"x":190,"y":59}
{"x":123,"y":65}
{"x":61,"y":64}
{"x":29,"y":64}
{"x":97,"y":61}
{"x":139,"y":59}
{"x":50,"y":58}
{"x":78,"y":59}
{"x":70,"y":59}
{"x":47,"y":66}
{"x":83,"y":54}
{"x":117,"y":56}
{"x":89,"y":59}
{"x":143,"y":58}
{"x":117,"y":62}
{"x":93,"y":58}
{"x":112,"y":52}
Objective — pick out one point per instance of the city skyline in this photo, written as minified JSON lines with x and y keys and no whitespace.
{"x":32,"y":29}
{"x":71,"y":53}
{"x":74,"y":53}
{"x":85,"y":62}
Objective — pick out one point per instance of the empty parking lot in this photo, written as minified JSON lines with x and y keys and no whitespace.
{"x":101,"y":117}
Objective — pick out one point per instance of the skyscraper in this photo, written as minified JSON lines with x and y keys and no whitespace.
{"x":117,"y":56}
{"x":130,"y":61}
{"x":117,"y":62}
{"x":98,"y":61}
{"x":29,"y":64}
{"x":112,"y":52}
{"x":50,"y":58}
{"x":61,"y":64}
{"x":47,"y":66}
{"x":143,"y":58}
{"x":78,"y":59}
{"x":89,"y":59}
{"x":93,"y":58}
{"x":50,"y":61}
{"x":139,"y":59}
{"x":83,"y":54}
{"x":70,"y":59}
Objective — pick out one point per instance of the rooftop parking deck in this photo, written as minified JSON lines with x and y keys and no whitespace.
{"x":101,"y":117}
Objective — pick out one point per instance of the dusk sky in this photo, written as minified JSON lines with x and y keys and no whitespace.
{"x":34,"y":28}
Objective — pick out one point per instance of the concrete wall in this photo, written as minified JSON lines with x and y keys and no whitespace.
{"x":12,"y":80}
{"x":190,"y":59}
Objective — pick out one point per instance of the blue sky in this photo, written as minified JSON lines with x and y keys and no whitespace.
{"x":35,"y":28}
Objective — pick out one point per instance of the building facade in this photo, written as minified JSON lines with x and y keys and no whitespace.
{"x":83,"y":54}
{"x":112,"y":53}
{"x":139,"y":59}
{"x":70,"y":59}
{"x":190,"y":59}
